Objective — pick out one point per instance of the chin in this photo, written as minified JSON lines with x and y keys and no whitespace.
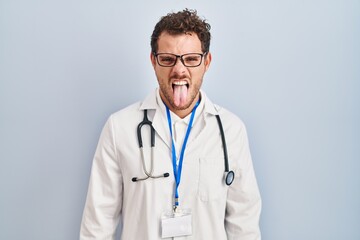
{"x":186,"y":106}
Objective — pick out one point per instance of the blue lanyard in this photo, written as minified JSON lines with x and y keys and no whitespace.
{"x":177,"y":170}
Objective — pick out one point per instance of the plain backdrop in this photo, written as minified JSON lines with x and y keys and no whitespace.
{"x":289,"y":68}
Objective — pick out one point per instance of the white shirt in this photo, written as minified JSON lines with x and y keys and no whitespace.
{"x":180,"y":125}
{"x":218,"y":211}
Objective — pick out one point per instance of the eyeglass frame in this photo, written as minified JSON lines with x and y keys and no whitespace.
{"x":203,"y":55}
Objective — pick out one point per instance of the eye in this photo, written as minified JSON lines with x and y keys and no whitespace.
{"x":193,"y":58}
{"x":167,"y":59}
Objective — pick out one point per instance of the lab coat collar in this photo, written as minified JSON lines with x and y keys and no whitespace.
{"x":159,"y":119}
{"x":150,"y":102}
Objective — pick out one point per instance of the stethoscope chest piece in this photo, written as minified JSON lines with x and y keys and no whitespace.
{"x":229,"y":177}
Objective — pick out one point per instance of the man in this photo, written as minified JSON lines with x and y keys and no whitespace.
{"x":177,"y":189}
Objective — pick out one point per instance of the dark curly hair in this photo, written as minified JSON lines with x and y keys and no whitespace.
{"x":185,"y":21}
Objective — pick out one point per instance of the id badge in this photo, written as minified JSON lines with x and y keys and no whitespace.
{"x":176,"y":224}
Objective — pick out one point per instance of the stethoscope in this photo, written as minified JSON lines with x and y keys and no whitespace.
{"x":229,"y":175}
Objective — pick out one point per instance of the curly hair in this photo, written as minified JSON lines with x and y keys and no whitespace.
{"x":185,"y":21}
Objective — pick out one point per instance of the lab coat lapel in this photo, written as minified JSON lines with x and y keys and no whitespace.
{"x":157,"y":117}
{"x":161,"y":127}
{"x":202,"y":118}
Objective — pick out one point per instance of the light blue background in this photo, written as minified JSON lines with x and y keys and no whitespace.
{"x":289,"y":69}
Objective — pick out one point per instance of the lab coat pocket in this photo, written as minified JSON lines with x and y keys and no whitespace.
{"x":211,"y":183}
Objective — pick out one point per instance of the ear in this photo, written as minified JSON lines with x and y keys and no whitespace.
{"x":207,"y":60}
{"x":153,"y":60}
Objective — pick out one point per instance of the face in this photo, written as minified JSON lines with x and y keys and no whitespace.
{"x":180,"y":85}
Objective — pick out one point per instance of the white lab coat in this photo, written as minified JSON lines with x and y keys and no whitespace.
{"x":218,"y":211}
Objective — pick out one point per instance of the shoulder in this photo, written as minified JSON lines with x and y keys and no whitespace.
{"x":126,"y":118}
{"x":227,"y":117}
{"x":132,"y":111}
{"x":234,"y":129}
{"x":127,"y":111}
{"x":230,"y":121}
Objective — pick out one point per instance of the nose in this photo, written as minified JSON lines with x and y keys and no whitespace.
{"x":179,"y":67}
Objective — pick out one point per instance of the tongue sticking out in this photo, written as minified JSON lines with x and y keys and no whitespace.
{"x":180,"y":94}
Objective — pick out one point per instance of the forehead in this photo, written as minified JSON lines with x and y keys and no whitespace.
{"x":179,"y":43}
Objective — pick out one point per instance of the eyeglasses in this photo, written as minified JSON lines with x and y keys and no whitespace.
{"x":189,"y":59}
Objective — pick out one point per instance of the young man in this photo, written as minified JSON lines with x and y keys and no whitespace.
{"x":197,"y":181}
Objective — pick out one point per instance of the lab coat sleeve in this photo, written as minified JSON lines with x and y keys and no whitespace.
{"x":104,"y":198}
{"x":243,"y":200}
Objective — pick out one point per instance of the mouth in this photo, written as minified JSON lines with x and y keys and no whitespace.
{"x":180,"y":83}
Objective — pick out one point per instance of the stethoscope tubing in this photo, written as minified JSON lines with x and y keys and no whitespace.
{"x":149,"y":174}
{"x":145,"y":121}
{"x":229,"y":175}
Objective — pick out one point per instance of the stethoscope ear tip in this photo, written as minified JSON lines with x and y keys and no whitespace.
{"x":166,"y":174}
{"x":134,"y":179}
